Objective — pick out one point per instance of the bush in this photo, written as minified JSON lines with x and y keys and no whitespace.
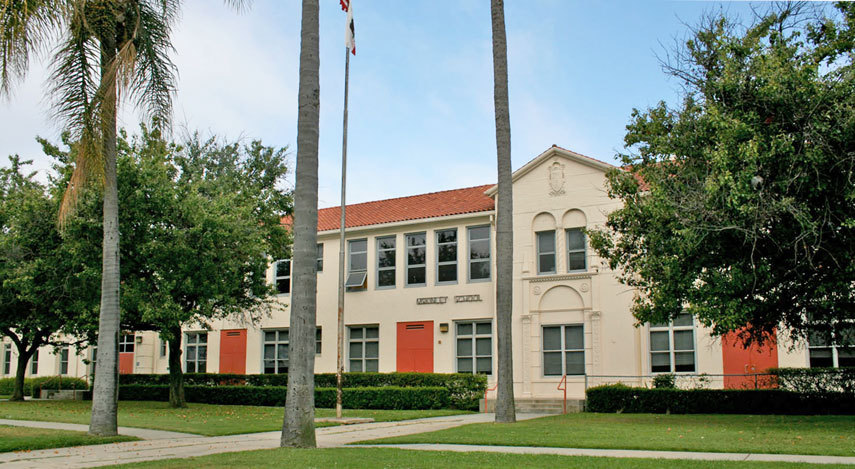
{"x":665,"y":381}
{"x":33,"y":385}
{"x":464,"y":389}
{"x":811,"y":380}
{"x":620,"y":398}
{"x":352,"y":398}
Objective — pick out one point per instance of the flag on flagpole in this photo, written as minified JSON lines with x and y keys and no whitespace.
{"x":350,"y":32}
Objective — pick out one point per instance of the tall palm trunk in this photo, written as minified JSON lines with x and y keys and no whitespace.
{"x":298,"y":428}
{"x":504,"y":222}
{"x":105,"y":392}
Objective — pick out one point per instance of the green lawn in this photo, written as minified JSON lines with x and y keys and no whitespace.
{"x":27,"y":439}
{"x":392,"y":458}
{"x":202,"y":419}
{"x":825,"y":435}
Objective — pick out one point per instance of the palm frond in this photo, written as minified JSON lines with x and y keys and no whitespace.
{"x":153,"y":81}
{"x":26,"y":27}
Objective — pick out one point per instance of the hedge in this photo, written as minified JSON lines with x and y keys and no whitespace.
{"x":389,"y":397}
{"x":464,"y":389}
{"x":33,"y":385}
{"x":811,"y":380}
{"x":619,"y":398}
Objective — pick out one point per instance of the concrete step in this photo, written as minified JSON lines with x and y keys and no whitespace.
{"x":539,"y":405}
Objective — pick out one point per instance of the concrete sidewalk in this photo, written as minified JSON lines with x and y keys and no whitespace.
{"x":143,"y":433}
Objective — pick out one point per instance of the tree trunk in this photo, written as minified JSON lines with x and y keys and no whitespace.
{"x":504,"y":220}
{"x":176,"y":374}
{"x":23,"y":360}
{"x":105,"y":392}
{"x":298,"y":428}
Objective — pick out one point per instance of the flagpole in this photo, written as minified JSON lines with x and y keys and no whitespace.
{"x":340,"y":360}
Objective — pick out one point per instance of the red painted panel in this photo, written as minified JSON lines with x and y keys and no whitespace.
{"x":739,"y":360}
{"x":415,"y":347}
{"x":233,"y":351}
{"x":126,"y":363}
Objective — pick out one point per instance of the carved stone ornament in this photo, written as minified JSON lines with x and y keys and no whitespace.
{"x":536,"y":290}
{"x":556,"y":179}
{"x":584,"y":287}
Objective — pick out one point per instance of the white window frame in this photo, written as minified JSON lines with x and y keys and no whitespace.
{"x":576,"y":251}
{"x":833,"y":346}
{"x":64,"y":359}
{"x":439,"y":264}
{"x":544,"y":253}
{"x":320,"y":259}
{"x":474,"y":339}
{"x":407,"y":264}
{"x":393,"y":268}
{"x":672,"y":351}
{"x":34,"y":363}
{"x":7,"y":359}
{"x":124,"y":343}
{"x":352,"y":283}
{"x":480,"y":260}
{"x":277,"y":277}
{"x":275,"y":343}
{"x":562,"y":350}
{"x":197,"y":344}
{"x":164,"y":348}
{"x":363,"y":341}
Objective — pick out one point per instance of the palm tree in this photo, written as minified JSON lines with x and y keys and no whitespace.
{"x":109,"y":50}
{"x":505,"y":411}
{"x":298,"y":427}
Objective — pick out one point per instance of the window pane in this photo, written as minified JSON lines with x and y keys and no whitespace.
{"x":685,"y":361}
{"x":358,"y":261}
{"x":202,"y":353}
{"x":269,"y":336}
{"x":282,"y":349}
{"x":282,"y":366}
{"x":386,"y":259}
{"x":479,"y":270}
{"x":386,"y":278}
{"x":283,"y":268}
{"x":576,"y":261}
{"x":415,"y":275}
{"x":683,"y":340}
{"x":417,"y":239}
{"x":372,"y":332}
{"x":386,"y":243}
{"x":479,"y":249}
{"x":574,"y":337}
{"x":359,"y":245}
{"x":372,"y":365}
{"x":845,"y":356}
{"x":372,"y":350}
{"x":448,"y":253}
{"x":356,"y":365}
{"x":356,"y":350}
{"x":479,"y":232}
{"x":821,"y":357}
{"x":659,"y":341}
{"x":464,"y":328}
{"x":447,"y":273}
{"x":283,"y":336}
{"x":464,"y":347}
{"x":446,"y":236}
{"x":416,"y":256}
{"x":464,"y":365}
{"x":191,"y":353}
{"x":575,"y":239}
{"x":201,"y":367}
{"x":552,"y":339}
{"x":683,"y":320}
{"x":660,"y":362}
{"x":269,"y":352}
{"x":552,"y":364}
{"x":819,"y":338}
{"x":546,"y":263}
{"x":546,"y":241}
{"x":483,"y":328}
{"x":269,"y":366}
{"x":483,"y":347}
{"x":484,"y":365}
{"x":283,"y":285}
{"x":356,"y":333}
{"x":575,"y":363}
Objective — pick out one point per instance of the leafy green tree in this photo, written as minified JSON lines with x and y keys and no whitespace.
{"x":739,"y":204}
{"x":298,"y":426}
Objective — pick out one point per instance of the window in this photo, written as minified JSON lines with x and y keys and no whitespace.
{"x":276,"y":351}
{"x":34,"y":364}
{"x":282,"y":276}
{"x":827,"y":351}
{"x":317,"y":340}
{"x":672,"y":345}
{"x":475,"y":347}
{"x":7,"y":359}
{"x":545,"y":252}
{"x":320,"y":257}
{"x":63,"y":360}
{"x":163,"y":347}
{"x":563,"y":350}
{"x":479,"y":253}
{"x":364,"y":346}
{"x":576,"y":250}
{"x":386,"y":262}
{"x":196,"y":358}
{"x":416,"y":272}
{"x":126,"y":343}
{"x":357,"y":264}
{"x":446,"y":256}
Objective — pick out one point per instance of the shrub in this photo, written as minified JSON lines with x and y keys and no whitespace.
{"x":33,"y":385}
{"x":619,"y":398}
{"x":810,"y":380}
{"x":464,"y":389}
{"x":389,"y":397}
{"x":664,"y":381}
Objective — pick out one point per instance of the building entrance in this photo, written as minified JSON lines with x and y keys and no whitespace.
{"x":415,"y":347}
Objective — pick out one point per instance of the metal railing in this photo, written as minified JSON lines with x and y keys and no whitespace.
{"x":486,"y":410}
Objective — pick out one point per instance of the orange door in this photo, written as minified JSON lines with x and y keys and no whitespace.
{"x":233,"y":351}
{"x":415,"y":347}
{"x":126,"y":363}
{"x":739,"y":360}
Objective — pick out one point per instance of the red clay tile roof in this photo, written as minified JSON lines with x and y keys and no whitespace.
{"x":414,"y":207}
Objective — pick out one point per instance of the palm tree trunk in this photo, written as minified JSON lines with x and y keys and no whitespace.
{"x":176,"y":374}
{"x":298,"y":428}
{"x":504,"y":222}
{"x":105,"y":392}
{"x":23,"y":360}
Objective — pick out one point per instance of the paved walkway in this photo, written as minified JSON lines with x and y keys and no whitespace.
{"x":186,"y":446}
{"x":144,"y":433}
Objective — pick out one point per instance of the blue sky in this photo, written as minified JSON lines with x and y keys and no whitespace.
{"x":421,"y":108}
